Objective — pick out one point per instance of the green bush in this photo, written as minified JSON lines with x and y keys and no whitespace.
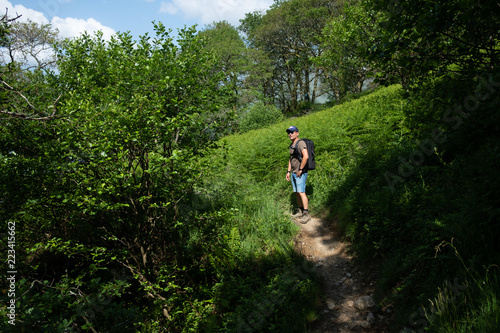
{"x":260,"y":115}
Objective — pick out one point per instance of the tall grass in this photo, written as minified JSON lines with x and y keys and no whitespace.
{"x":342,"y":135}
{"x":471,"y":306}
{"x":263,"y":285}
{"x":249,"y":185}
{"x":450,"y":193}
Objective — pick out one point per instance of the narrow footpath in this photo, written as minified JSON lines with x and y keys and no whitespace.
{"x":347,"y":302}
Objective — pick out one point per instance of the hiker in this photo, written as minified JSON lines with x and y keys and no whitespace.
{"x":297,"y":173}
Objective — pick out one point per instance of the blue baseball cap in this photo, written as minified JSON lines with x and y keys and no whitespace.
{"x":292,"y":129}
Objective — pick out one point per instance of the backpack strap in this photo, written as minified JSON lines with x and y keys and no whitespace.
{"x":296,"y":151}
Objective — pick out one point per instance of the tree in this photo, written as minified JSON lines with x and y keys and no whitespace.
{"x":434,"y":37}
{"x":104,"y":188}
{"x":31,"y":45}
{"x":5,"y":24}
{"x":27,"y":52}
{"x":344,"y":41}
{"x":246,"y":69}
{"x":224,"y":41}
{"x":249,"y":26}
{"x":288,"y":34}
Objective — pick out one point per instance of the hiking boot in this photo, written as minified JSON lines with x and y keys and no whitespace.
{"x":306,"y":217}
{"x":297,"y":214}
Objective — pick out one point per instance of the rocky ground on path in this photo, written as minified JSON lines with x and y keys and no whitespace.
{"x":347,"y":304}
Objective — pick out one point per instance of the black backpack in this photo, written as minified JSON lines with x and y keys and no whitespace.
{"x":311,"y":163}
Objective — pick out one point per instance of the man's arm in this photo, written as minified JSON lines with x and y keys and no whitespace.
{"x":305,"y":156}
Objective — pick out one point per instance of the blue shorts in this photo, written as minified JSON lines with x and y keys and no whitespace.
{"x":299,"y":183}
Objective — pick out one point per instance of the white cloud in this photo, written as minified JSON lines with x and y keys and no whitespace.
{"x":68,"y":27}
{"x":72,"y":27}
{"x":26,"y":13}
{"x":209,"y":11}
{"x":169,"y":8}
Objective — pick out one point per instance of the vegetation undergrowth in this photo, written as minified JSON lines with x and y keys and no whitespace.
{"x":397,"y":193}
{"x":470,"y":305}
{"x":119,"y":216}
{"x":264,"y":286}
{"x":249,"y":181}
{"x":397,"y":184}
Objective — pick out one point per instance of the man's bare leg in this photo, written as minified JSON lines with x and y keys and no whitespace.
{"x":302,"y":200}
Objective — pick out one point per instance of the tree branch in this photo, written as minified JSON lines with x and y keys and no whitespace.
{"x":5,"y":17}
{"x":18,"y":93}
{"x":24,"y":115}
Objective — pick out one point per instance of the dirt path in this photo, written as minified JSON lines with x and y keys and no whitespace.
{"x":347,"y":302}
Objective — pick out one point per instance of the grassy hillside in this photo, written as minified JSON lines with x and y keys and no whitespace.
{"x":403,"y":192}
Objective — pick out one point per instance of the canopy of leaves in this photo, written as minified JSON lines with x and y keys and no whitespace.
{"x":435,"y":36}
{"x":31,"y":45}
{"x":107,"y":180}
{"x":288,"y":34}
{"x":102,"y":162}
{"x":344,"y":40}
{"x":223,"y":40}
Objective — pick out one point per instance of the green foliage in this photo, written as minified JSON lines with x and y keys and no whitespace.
{"x":119,"y":232}
{"x":345,"y":66}
{"x":110,"y":171}
{"x":5,"y":26}
{"x":400,"y":176}
{"x":434,"y":37}
{"x":132,"y":219}
{"x":471,"y":306}
{"x":224,"y":41}
{"x":31,"y":45}
{"x":263,"y":285}
{"x":260,"y":115}
{"x":429,"y":177}
{"x":91,"y":292}
{"x":280,"y":304}
{"x":288,"y":34}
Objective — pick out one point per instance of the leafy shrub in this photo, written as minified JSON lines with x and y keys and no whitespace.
{"x":260,"y":115}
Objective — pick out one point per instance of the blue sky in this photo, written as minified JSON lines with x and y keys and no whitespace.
{"x":72,"y":17}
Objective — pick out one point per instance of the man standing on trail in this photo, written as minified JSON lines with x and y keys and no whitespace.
{"x":297,"y":173}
